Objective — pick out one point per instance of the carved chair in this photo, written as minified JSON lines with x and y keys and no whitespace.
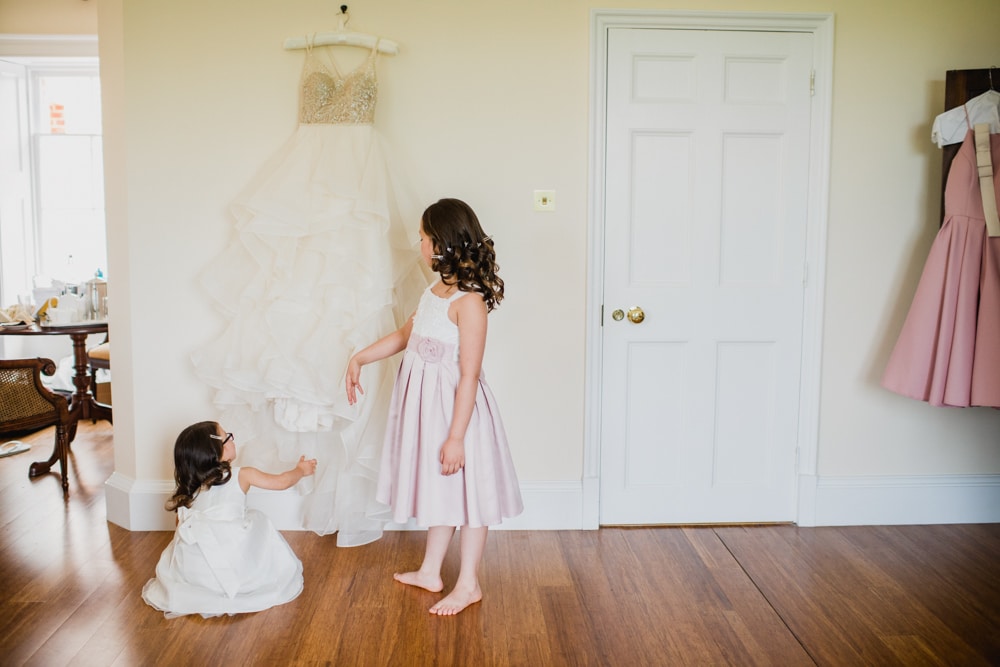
{"x":27,"y":405}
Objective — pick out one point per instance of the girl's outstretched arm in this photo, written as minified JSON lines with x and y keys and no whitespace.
{"x":265,"y":480}
{"x":380,"y":349}
{"x":470,"y":316}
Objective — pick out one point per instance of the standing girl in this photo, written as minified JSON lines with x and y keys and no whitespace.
{"x":446,"y":462}
{"x":224,"y":558}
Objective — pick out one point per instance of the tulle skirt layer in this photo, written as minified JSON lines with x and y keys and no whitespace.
{"x":324,"y":262}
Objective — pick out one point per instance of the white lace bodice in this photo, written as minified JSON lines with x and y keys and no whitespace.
{"x":431,"y":320}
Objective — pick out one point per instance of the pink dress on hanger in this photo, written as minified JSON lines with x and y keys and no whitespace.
{"x":948,"y":352}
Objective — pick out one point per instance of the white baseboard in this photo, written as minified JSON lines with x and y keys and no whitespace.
{"x":549,"y":506}
{"x":823,"y":501}
{"x":138,"y":505}
{"x":899,"y":500}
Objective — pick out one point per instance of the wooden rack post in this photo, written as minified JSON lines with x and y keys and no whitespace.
{"x":960,"y":86}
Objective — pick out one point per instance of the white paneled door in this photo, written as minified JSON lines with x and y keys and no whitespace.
{"x":707,"y":164}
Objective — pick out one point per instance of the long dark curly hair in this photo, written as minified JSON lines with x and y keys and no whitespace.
{"x":463,"y":253}
{"x":198,"y":463}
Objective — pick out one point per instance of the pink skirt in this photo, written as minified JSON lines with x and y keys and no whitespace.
{"x":486,"y":491}
{"x":948,"y":352}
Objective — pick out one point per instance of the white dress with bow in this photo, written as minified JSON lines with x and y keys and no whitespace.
{"x":224,"y":559}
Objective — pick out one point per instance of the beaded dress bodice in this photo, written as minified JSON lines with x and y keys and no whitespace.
{"x":331,"y":98}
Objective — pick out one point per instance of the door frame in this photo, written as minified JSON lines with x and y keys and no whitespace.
{"x":821,"y":27}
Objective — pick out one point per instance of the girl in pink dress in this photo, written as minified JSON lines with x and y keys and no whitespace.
{"x":446,"y":462}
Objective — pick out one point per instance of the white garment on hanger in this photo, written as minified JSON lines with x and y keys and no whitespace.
{"x":952,"y":126}
{"x":343,"y":36}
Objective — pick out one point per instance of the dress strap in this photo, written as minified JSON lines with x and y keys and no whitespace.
{"x":984,"y":164}
{"x":457,"y":294}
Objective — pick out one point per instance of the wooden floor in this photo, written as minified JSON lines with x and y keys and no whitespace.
{"x":774,"y":595}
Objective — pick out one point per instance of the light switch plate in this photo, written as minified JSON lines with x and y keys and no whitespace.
{"x":545,"y":200}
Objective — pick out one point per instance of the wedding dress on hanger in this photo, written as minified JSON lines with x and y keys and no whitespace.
{"x":324,"y":262}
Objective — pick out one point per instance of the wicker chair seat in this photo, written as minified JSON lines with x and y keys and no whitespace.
{"x":26,"y":404}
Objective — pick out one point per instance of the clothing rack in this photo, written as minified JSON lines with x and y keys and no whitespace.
{"x":960,"y":86}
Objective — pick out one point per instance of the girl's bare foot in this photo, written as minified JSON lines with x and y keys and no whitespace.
{"x":431,"y":583}
{"x":456,"y":601}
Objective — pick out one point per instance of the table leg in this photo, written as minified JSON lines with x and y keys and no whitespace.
{"x":81,"y":378}
{"x":83,"y":405}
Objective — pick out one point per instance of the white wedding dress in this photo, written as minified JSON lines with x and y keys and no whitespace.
{"x":324,"y":263}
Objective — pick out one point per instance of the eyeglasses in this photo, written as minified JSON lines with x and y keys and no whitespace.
{"x":229,"y":436}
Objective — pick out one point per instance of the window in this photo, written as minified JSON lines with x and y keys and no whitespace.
{"x":52,"y":224}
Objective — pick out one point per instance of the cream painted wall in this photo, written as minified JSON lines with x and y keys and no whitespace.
{"x":462,"y":129}
{"x":48,"y":17}
{"x":488,"y":101}
{"x":884,"y":212}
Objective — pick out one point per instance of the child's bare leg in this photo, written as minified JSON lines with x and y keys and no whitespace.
{"x":429,"y":574}
{"x":466,"y":591}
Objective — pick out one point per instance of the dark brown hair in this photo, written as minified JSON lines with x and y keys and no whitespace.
{"x":198,"y":463}
{"x":463,"y":253}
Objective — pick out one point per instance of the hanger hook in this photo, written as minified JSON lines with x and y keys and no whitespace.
{"x":343,"y":9}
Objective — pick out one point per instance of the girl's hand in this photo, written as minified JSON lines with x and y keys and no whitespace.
{"x":306,"y":466}
{"x":452,"y":456}
{"x":353,"y":380}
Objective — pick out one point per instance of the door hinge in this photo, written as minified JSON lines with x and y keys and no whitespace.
{"x":812,"y":82}
{"x":602,"y":314}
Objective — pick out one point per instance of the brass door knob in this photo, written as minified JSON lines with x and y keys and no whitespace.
{"x":635,"y":315}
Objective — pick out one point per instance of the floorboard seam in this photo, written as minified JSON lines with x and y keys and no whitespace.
{"x":766,"y":599}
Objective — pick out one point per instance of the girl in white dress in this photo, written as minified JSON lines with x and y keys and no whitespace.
{"x":224,"y":558}
{"x":446,"y":462}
